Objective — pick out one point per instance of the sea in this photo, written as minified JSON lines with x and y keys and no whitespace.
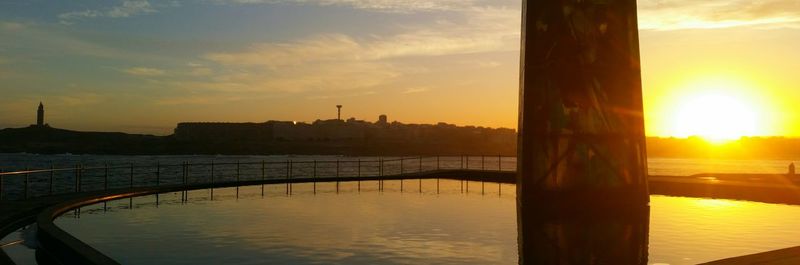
{"x":656,"y":165}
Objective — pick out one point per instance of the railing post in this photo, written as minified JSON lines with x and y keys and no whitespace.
{"x":467,"y":161}
{"x":483,"y":162}
{"x":238,"y":172}
{"x":359,"y":167}
{"x":80,"y":178}
{"x":437,"y":162}
{"x":380,"y":167}
{"x":212,"y":174}
{"x":158,"y":174}
{"x":288,"y":164}
{"x":315,"y":176}
{"x":462,"y":162}
{"x":499,"y":162}
{"x":25,"y":195}
{"x":1,"y":184}
{"x":291,"y":173}
{"x":263,"y":175}
{"x":420,"y":165}
{"x":52,"y":176}
{"x":77,"y":177}
{"x":188,"y":171}
{"x":131,"y":178}
{"x":402,"y":170}
{"x":337,"y":175}
{"x":105,"y":177}
{"x":263,"y":170}
{"x":184,"y":173}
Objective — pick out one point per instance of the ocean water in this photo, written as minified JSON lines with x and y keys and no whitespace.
{"x":127,"y":171}
{"x":656,"y":165}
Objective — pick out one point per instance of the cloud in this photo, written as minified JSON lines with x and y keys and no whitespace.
{"x":5,"y":73}
{"x":338,"y":62}
{"x":79,"y":99}
{"x":128,"y":8}
{"x":320,"y":48}
{"x":45,"y":40}
{"x":196,"y":100}
{"x":11,"y":26}
{"x":201,"y":71}
{"x":415,"y":90}
{"x":144,"y":71}
{"x":391,"y":6}
{"x":691,"y":14}
{"x":484,"y":30}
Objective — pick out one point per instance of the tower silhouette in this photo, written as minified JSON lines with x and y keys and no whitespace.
{"x":40,"y":115}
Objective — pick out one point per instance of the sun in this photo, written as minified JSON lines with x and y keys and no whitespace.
{"x":716,"y":115}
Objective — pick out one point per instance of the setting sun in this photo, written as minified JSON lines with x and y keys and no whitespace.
{"x":716,"y":117}
{"x":716,"y":111}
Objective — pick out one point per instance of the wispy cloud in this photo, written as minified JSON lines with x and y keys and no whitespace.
{"x":79,"y":99}
{"x":5,"y":73}
{"x":11,"y":26}
{"x":392,"y":6}
{"x":336,"y":62}
{"x":691,"y":14}
{"x":415,"y":90}
{"x":144,"y":71}
{"x":127,"y":8}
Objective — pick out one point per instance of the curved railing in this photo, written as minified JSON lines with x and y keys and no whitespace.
{"x":62,"y":189}
{"x":27,"y":184}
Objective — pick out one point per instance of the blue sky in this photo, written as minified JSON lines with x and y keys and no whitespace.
{"x":144,"y":65}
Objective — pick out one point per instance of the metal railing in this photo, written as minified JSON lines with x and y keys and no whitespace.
{"x":26,"y":184}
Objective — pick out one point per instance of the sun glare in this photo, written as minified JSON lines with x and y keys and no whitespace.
{"x":716,"y":115}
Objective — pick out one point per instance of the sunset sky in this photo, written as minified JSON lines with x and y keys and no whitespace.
{"x":722,"y":67}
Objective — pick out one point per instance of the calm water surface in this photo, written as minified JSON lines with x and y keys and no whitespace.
{"x":453,"y":226}
{"x":656,"y":165}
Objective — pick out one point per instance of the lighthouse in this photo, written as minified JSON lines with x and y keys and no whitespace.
{"x":40,"y":115}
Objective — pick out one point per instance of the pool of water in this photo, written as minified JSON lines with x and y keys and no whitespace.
{"x":409,"y":222}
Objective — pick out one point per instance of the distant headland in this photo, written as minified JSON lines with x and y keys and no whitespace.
{"x":322,"y":137}
{"x":343,"y":137}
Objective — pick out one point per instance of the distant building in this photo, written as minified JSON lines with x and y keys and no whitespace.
{"x":383,"y":120}
{"x":355,"y":134}
{"x":40,"y":116}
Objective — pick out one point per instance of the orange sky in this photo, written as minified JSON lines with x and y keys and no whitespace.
{"x":142,"y":66}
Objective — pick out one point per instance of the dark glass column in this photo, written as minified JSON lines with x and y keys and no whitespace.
{"x":581,"y":125}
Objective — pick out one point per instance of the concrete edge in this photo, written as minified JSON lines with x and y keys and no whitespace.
{"x":781,"y":256}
